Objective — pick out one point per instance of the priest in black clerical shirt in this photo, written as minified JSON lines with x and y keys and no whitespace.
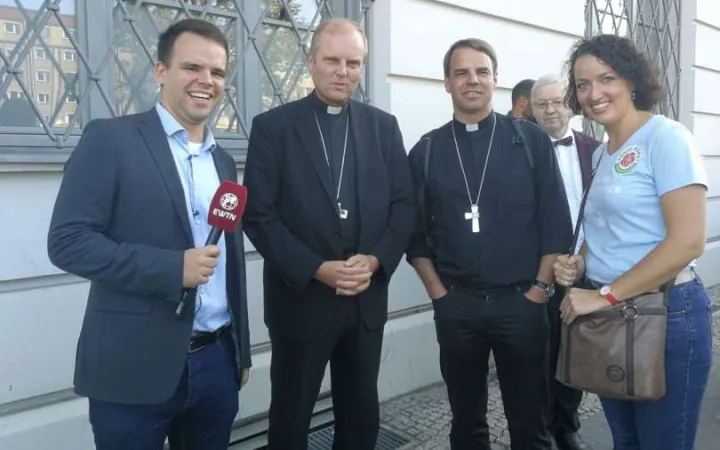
{"x":492,"y":217}
{"x":338,"y":144}
{"x":330,"y":209}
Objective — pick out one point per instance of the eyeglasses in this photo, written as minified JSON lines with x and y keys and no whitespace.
{"x":556,"y":104}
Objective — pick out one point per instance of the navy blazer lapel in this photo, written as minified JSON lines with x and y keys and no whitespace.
{"x":227,"y":172}
{"x":360,"y":125}
{"x":224,"y":171}
{"x":585,"y":157}
{"x":306,"y":128}
{"x":152,"y":132}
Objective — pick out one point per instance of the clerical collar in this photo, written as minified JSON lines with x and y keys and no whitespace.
{"x":324,"y":107}
{"x":475,"y":126}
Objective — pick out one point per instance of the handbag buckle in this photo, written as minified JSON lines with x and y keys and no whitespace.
{"x":630,"y":315}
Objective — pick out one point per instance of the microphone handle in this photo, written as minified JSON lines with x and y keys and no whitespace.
{"x":181,"y":306}
{"x":213,"y":239}
{"x":214,"y":236}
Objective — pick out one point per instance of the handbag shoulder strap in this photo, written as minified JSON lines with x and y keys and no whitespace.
{"x":581,"y":212}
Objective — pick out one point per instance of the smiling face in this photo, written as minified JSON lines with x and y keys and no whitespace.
{"x":603,"y":95}
{"x":337,"y":63}
{"x":549,"y":109}
{"x":470,"y":82}
{"x":193,"y":80}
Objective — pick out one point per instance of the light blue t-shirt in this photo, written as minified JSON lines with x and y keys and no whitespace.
{"x":623,"y":219}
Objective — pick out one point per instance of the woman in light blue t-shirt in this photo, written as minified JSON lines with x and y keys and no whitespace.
{"x":644,"y":225}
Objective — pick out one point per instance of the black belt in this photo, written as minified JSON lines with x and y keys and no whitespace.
{"x":205,"y":338}
{"x":489,"y":290}
{"x":495,"y":292}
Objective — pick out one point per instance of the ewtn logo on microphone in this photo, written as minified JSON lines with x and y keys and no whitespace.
{"x":228,"y":202}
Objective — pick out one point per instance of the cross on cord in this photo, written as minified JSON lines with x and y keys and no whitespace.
{"x":342,"y":212}
{"x":474,"y":215}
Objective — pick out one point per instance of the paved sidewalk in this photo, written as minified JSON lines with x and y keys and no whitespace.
{"x":425,"y":416}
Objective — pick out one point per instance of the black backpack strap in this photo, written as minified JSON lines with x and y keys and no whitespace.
{"x":426,"y":160}
{"x":422,"y":196}
{"x":519,"y":139}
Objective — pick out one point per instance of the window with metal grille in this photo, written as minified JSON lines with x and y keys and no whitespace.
{"x":92,"y":59}
{"x":654,"y":25}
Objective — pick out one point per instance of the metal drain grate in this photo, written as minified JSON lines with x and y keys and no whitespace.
{"x":322,"y":439}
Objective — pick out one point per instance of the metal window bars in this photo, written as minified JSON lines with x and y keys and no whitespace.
{"x":654,"y":25}
{"x":268,"y":61}
{"x":269,"y":41}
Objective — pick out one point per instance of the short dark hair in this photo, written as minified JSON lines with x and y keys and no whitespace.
{"x":522,"y":89}
{"x":623,"y":56}
{"x":473,"y":43}
{"x":200,"y":27}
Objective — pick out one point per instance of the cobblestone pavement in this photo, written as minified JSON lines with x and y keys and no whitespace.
{"x":425,"y":416}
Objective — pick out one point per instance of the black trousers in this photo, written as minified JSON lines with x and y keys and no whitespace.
{"x":469,"y":325}
{"x":564,"y":401}
{"x":296,"y":372}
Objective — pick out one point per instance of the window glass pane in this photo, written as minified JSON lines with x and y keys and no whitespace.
{"x":654,"y":25}
{"x":32,"y":44}
{"x":136,"y":53}
{"x":286,"y":30}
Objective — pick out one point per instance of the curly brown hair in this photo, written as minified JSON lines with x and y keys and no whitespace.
{"x":623,"y":56}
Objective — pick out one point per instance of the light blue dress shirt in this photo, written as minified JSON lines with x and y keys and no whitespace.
{"x":195,"y":165}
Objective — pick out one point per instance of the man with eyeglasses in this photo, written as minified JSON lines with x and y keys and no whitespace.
{"x":573,"y":151}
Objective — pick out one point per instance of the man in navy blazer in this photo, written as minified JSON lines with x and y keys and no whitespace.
{"x":131,"y":217}
{"x":573,"y":150}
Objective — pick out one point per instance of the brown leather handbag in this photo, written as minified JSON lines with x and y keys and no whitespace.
{"x":618,"y":351}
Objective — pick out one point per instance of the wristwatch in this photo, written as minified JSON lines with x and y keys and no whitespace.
{"x":548,"y":289}
{"x":606,"y":293}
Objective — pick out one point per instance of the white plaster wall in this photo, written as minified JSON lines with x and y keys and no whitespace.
{"x":700,"y":108}
{"x":530,"y":41}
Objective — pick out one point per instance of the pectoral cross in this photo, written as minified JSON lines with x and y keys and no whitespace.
{"x":342,"y":212}
{"x":474,"y":215}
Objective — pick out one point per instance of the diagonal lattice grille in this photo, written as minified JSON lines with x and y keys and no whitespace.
{"x":39,"y":63}
{"x":654,"y":25}
{"x":42,"y":60}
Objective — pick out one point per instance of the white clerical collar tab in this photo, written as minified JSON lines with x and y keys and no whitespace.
{"x":334,"y":109}
{"x":470,"y":127}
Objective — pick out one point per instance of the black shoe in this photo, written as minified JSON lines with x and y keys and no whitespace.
{"x":571,"y":441}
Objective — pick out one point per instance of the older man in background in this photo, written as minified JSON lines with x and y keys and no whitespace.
{"x":573,"y":150}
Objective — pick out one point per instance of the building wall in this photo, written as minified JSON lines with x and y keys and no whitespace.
{"x":700,"y":111}
{"x":41,"y":308}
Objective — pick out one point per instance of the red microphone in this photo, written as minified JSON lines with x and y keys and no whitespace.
{"x":226,"y":209}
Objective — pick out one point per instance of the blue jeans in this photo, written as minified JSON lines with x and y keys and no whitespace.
{"x":199,"y":416}
{"x":671,"y":422}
